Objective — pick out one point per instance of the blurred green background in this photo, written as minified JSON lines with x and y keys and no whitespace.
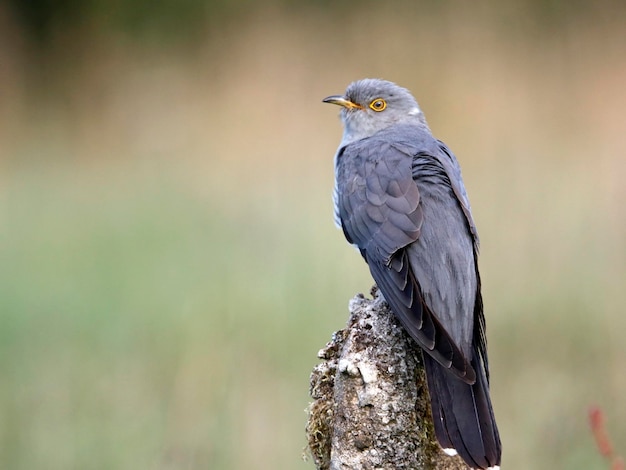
{"x":168,"y":263}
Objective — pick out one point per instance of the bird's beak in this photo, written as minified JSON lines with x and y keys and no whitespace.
{"x":342,"y":101}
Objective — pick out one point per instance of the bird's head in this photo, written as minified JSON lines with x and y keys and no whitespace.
{"x":371,"y":105}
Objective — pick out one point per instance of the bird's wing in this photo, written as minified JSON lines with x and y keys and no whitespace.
{"x":382,"y":211}
{"x":443,"y":257}
{"x":452,"y":169}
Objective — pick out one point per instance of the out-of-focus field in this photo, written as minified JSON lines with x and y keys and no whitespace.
{"x":168,"y":263}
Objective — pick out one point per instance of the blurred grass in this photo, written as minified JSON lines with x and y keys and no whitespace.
{"x":147,"y":328}
{"x":168,"y":264}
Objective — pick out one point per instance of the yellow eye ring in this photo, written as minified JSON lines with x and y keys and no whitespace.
{"x":378,"y":105}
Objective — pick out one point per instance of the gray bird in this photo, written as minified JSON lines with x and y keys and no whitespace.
{"x":400,"y":199}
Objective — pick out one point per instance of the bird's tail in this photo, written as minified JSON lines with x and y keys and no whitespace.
{"x":463,"y":416}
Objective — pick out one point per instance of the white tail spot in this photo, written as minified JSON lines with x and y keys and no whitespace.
{"x":451,"y":452}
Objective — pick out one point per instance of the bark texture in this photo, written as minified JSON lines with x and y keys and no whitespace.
{"x":371,"y":408}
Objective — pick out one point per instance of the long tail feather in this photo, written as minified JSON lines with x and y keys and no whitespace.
{"x":463,"y":415}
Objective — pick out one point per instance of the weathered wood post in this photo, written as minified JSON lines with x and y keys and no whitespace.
{"x":370,"y":406}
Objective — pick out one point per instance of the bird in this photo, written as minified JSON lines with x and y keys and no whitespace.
{"x":400,"y":200}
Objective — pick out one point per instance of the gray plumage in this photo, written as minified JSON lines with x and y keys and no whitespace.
{"x":400,"y":199}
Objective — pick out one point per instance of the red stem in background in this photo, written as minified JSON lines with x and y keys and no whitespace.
{"x":598,"y":429}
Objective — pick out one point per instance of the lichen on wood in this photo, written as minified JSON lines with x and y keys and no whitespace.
{"x":371,"y":408}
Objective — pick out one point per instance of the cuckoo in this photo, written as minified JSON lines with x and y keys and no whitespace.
{"x":400,"y":199}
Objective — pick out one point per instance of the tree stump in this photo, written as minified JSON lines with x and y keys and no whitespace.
{"x":371,"y":408}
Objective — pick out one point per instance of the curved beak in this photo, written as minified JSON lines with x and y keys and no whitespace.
{"x":342,"y":101}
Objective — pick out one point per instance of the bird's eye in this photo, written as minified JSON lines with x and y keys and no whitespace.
{"x":378,"y":104}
